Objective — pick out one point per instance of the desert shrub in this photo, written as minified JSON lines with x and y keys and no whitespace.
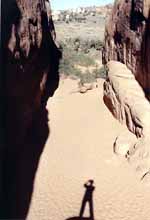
{"x":75,"y":57}
{"x":100,"y":72}
{"x":84,"y":45}
{"x":67,"y":69}
{"x":80,"y":18}
{"x":76,"y":40}
{"x":83,"y":59}
{"x":71,"y":59}
{"x":67,"y":63}
{"x":99,"y":45}
{"x":87,"y":77}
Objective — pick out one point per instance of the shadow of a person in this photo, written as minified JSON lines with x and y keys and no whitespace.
{"x":88,"y":198}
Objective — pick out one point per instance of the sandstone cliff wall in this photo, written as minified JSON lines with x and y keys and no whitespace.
{"x":127,"y":87}
{"x":127,"y":38}
{"x":30,"y":76}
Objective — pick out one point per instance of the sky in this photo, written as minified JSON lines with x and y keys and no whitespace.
{"x":66,"y":4}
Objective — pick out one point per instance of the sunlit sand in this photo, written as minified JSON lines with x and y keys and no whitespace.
{"x":80,"y":147}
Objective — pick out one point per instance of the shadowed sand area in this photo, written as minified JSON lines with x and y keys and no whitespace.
{"x":79,"y":148}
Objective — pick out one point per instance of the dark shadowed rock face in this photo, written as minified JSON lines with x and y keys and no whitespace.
{"x":30,"y":77}
{"x":127,"y":38}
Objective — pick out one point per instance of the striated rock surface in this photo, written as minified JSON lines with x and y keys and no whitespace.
{"x":127,"y":38}
{"x":127,"y":88}
{"x":126,"y":100}
{"x":124,"y":144}
{"x":30,"y":77}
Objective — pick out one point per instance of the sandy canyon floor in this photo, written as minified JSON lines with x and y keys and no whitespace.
{"x":80,"y":147}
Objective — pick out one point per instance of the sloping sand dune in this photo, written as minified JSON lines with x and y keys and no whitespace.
{"x":80,"y":147}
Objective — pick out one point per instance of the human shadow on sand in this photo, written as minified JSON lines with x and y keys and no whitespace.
{"x":87,"y":199}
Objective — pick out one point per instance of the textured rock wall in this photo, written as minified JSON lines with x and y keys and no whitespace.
{"x":126,"y":100}
{"x":30,"y":76}
{"x":127,"y":38}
